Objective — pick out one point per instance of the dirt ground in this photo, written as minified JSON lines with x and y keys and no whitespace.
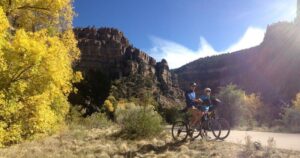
{"x":105,"y":143}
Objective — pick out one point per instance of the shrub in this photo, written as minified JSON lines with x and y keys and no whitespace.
{"x":291,"y":116}
{"x":296,"y":102}
{"x":291,"y":119}
{"x":239,"y":108}
{"x":255,"y":149}
{"x":122,"y":104}
{"x":109,"y":106}
{"x":249,"y":149}
{"x":170,"y":115}
{"x":270,"y":148}
{"x":139,"y":121}
{"x":96,"y":120}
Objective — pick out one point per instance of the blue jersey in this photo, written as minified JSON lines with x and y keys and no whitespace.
{"x":209,"y":103}
{"x":207,"y":100}
{"x":190,"y":96}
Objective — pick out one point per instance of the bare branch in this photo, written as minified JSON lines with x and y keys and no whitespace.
{"x":33,"y":7}
{"x":17,"y":76}
{"x":9,"y":8}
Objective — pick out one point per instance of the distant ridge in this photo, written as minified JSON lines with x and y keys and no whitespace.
{"x":271,"y":69}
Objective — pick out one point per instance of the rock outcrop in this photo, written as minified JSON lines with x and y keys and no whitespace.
{"x":106,"y":50}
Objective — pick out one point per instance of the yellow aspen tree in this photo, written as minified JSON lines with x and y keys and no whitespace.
{"x":37,"y":49}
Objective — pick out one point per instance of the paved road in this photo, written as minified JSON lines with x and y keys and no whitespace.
{"x":283,"y":140}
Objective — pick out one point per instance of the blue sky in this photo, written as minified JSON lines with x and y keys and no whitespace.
{"x":185,"y":30}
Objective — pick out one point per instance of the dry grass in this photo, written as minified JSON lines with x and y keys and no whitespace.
{"x":102,"y":142}
{"x":254,"y":149}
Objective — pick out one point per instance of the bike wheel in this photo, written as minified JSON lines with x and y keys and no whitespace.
{"x":179,"y":131}
{"x":195,"y":133}
{"x":225,"y":128}
{"x":210,"y":130}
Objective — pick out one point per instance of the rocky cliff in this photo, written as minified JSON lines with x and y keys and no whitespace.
{"x":107,"y":56}
{"x":271,"y":69}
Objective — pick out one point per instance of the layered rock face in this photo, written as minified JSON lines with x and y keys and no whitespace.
{"x":106,"y":50}
{"x":109,"y":51}
{"x":270,"y":69}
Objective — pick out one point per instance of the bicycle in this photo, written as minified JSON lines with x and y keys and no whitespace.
{"x":225,"y":126}
{"x":206,"y":126}
{"x":209,"y":128}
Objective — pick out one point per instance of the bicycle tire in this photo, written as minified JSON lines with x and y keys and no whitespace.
{"x":225,"y":128}
{"x":195,"y":133}
{"x":210,"y":126}
{"x":179,"y":127}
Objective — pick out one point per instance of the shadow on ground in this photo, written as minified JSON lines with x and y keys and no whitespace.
{"x":172,"y":146}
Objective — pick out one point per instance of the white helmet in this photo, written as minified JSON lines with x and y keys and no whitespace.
{"x":207,"y":90}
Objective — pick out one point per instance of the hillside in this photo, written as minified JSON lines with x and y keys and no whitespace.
{"x":111,"y":66}
{"x":271,"y":69}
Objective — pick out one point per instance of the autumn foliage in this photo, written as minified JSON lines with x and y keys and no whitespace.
{"x":238,"y":107}
{"x":37,"y":48}
{"x":291,"y":116}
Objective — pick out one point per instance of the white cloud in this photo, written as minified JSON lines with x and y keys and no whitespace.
{"x":178,"y":55}
{"x":252,"y":37}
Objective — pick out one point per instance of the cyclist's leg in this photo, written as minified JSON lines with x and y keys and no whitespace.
{"x":199,"y":114}
{"x":195,"y":114}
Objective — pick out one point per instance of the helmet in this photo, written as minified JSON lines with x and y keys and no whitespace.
{"x":193,"y":84}
{"x":207,"y":89}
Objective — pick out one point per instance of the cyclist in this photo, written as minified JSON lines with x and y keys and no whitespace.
{"x":209,"y":102}
{"x":191,"y":104}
